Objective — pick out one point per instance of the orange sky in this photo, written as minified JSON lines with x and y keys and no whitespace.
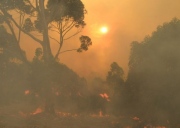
{"x":127,"y":20}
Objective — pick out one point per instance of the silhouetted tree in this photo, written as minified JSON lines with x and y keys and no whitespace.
{"x":152,"y":85}
{"x":115,"y":76}
{"x":57,"y":15}
{"x":115,"y":81}
{"x":43,"y":16}
{"x":13,"y":72}
{"x":67,"y":88}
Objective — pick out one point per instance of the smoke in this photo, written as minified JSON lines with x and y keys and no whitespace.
{"x":127,"y":21}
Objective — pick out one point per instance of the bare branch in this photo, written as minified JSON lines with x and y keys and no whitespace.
{"x":20,"y":24}
{"x":54,"y":31}
{"x":11,"y":29}
{"x":66,"y":23}
{"x":61,"y":40}
{"x":54,"y":39}
{"x":34,"y":38}
{"x":68,"y":50}
{"x":72,"y":35}
{"x":19,"y":27}
{"x":64,"y":29}
{"x":53,"y":25}
{"x":37,"y":34}
{"x":67,"y":30}
{"x":31,"y":5}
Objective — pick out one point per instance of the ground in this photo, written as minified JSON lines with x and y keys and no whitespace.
{"x":17,"y":116}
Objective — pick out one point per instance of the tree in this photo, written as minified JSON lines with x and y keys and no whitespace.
{"x":57,"y":15}
{"x":115,"y":83}
{"x":67,"y":90}
{"x":13,"y":73}
{"x":115,"y":75}
{"x":42,"y":16}
{"x":152,"y":86}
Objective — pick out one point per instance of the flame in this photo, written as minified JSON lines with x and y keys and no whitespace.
{"x":65,"y":114}
{"x":135,"y":118}
{"x":105,"y":96}
{"x":37,"y":111}
{"x":27,"y":92}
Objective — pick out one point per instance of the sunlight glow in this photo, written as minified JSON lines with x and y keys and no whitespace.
{"x":104,"y":30}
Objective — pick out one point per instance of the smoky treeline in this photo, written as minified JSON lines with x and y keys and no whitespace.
{"x":149,"y":94}
{"x":150,"y":91}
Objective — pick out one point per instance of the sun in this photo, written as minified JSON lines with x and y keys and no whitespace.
{"x":104,"y":29}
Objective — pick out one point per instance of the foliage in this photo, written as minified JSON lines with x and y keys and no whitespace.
{"x":153,"y":80}
{"x":115,"y":83}
{"x":42,"y":16}
{"x":115,"y":75}
{"x":13,"y":72}
{"x":65,"y":10}
{"x":22,"y":5}
{"x":85,"y":43}
{"x":59,"y":16}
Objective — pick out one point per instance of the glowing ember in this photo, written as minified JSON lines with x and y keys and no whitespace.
{"x":105,"y":96}
{"x":26,"y":92}
{"x":135,"y":118}
{"x":37,"y":111}
{"x":65,"y":114}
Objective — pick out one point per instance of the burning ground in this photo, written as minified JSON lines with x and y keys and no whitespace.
{"x":16,"y":116}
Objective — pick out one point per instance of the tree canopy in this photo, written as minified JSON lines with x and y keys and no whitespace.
{"x":154,"y":70}
{"x":43,"y":16}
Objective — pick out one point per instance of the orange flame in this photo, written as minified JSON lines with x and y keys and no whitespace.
{"x":37,"y":111}
{"x":105,"y":96}
{"x":26,"y":92}
{"x":65,"y":114}
{"x":136,"y":118}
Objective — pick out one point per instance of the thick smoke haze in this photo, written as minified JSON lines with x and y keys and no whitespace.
{"x":126,"y":20}
{"x":128,"y":78}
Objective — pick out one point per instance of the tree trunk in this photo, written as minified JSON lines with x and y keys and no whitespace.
{"x":48,"y":59}
{"x":46,"y":43}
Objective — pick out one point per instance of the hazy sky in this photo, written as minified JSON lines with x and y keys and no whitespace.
{"x":127,"y":20}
